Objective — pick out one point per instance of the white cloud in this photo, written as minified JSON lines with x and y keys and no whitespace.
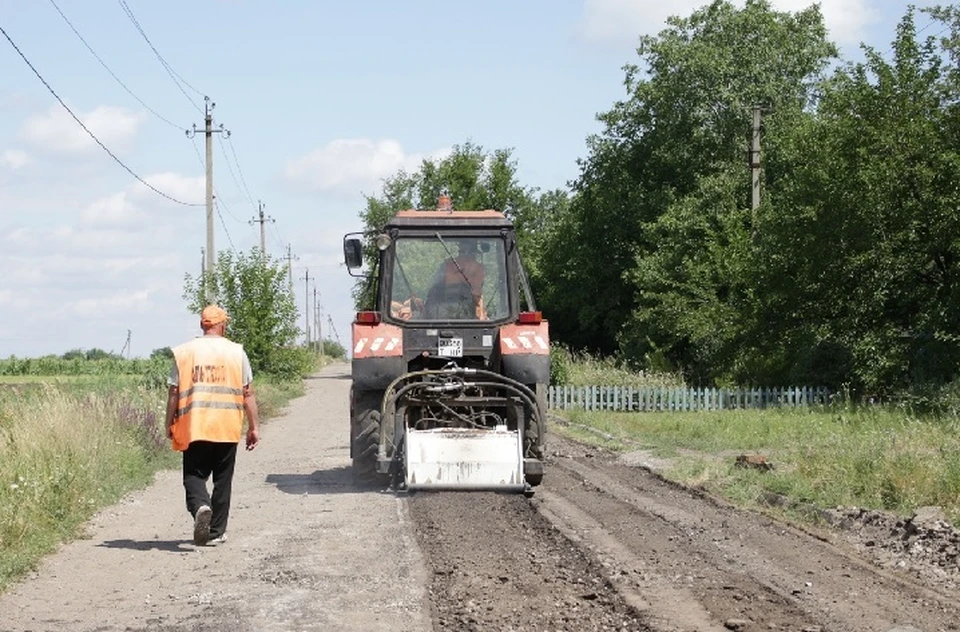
{"x":112,"y":211}
{"x":56,"y":130}
{"x":351,"y":165}
{"x":18,"y":236}
{"x":136,"y":302}
{"x":618,"y":23}
{"x":133,"y":208}
{"x":184,"y":188}
{"x":14,"y":158}
{"x":81,"y":273}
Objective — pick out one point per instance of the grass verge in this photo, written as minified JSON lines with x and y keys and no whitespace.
{"x":66,"y":451}
{"x":272,"y":395}
{"x":69,"y":447}
{"x":873,"y":457}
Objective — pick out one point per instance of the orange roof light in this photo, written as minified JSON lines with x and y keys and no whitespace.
{"x":444,"y":203}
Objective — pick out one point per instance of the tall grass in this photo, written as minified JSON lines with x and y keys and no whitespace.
{"x":52,"y":365}
{"x":272,"y":394}
{"x":577,"y":368}
{"x":872,"y":457}
{"x":64,"y":453}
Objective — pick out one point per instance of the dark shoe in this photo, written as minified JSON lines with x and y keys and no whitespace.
{"x":201,"y":525}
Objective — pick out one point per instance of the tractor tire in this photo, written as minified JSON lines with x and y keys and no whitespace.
{"x":535,"y":434}
{"x":365,"y":441}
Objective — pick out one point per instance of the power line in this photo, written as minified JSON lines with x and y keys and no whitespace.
{"x":277,"y":236}
{"x":224,"y":224}
{"x":235,"y":159}
{"x":107,"y":68}
{"x":170,"y":71}
{"x":91,"y":134}
{"x":232,"y":175}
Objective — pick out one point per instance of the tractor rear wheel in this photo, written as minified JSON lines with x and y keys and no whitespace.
{"x":365,"y":439}
{"x":535,"y":433}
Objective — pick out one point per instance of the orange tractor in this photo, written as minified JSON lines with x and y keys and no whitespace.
{"x":451,"y":360}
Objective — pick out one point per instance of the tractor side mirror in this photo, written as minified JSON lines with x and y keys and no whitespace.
{"x":353,"y":253}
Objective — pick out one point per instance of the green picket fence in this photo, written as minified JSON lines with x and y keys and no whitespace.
{"x":667,"y":398}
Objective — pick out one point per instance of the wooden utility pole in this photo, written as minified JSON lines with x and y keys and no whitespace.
{"x":306,"y":310}
{"x":209,"y":131}
{"x":263,"y":233}
{"x":290,"y":259}
{"x":755,"y":157}
{"x":316,"y":320}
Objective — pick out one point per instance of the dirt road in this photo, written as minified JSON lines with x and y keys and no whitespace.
{"x":603,"y":545}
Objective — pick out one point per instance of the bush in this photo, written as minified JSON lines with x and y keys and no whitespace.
{"x":559,"y":365}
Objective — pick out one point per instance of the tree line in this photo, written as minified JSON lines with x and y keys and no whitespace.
{"x":846,"y":275}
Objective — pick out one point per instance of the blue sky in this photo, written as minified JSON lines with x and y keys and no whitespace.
{"x":322,"y":99}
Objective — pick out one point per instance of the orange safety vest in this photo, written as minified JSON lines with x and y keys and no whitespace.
{"x":211,"y":391}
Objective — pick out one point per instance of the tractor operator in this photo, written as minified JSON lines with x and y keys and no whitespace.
{"x":458,"y":288}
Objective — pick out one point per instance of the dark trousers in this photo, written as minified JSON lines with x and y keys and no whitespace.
{"x":201,"y":460}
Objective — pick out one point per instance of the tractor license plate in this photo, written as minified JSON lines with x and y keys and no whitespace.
{"x":450,"y":347}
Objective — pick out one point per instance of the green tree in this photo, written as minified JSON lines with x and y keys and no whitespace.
{"x":99,"y":354}
{"x":165,"y":353}
{"x":334,"y":349}
{"x":653,"y":257}
{"x":868,"y":230}
{"x":263,"y":313}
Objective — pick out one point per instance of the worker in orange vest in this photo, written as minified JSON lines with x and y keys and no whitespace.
{"x":210,"y":389}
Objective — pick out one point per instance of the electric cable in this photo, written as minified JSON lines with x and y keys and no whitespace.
{"x":170,"y":71}
{"x":86,"y":129}
{"x":239,"y":170}
{"x":107,"y":68}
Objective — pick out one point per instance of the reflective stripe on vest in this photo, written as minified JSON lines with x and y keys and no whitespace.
{"x":210,"y":406}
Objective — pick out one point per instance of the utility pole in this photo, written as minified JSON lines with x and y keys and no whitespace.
{"x":208,"y":131}
{"x":755,"y":157}
{"x":290,"y":258}
{"x":203,"y":263}
{"x":263,"y":234}
{"x":316,"y":320}
{"x":306,"y":310}
{"x":126,"y":346}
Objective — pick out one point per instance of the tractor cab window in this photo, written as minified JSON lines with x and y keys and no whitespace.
{"x":449,"y":278}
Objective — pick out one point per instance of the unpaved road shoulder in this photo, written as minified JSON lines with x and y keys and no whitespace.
{"x":306,"y":551}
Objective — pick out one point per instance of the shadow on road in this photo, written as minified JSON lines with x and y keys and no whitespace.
{"x":173,"y":546}
{"x":338,"y":480}
{"x":339,"y":376}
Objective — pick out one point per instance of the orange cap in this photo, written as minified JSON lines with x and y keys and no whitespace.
{"x":212,"y":315}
